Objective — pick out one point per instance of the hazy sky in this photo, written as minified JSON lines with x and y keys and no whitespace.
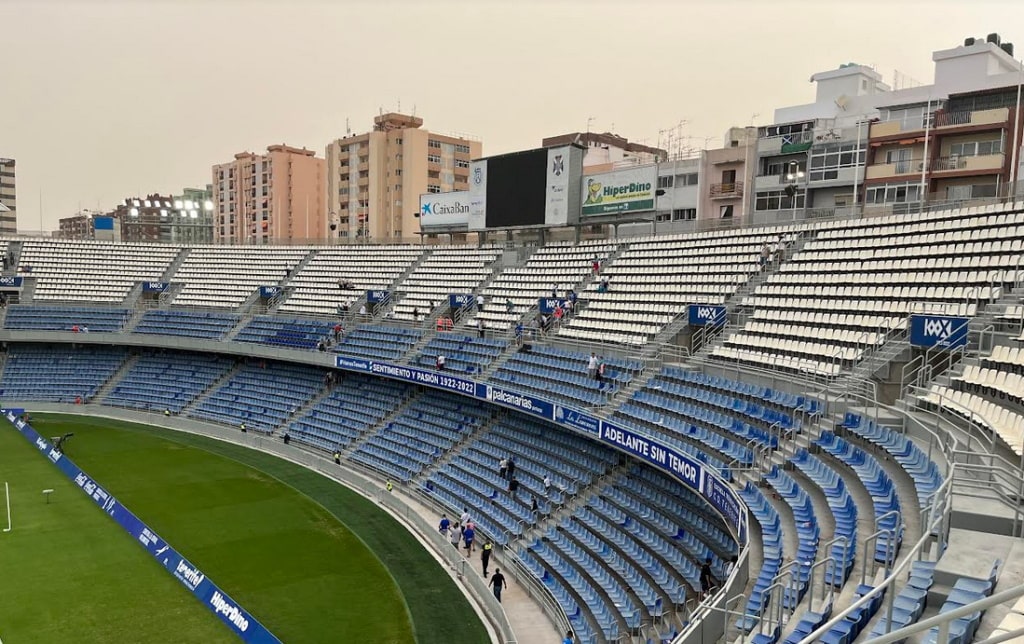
{"x":100,"y":100}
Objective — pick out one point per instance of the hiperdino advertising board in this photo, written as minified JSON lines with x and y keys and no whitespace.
{"x":611,"y":193}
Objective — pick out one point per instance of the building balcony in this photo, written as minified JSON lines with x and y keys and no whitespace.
{"x":732,"y":190}
{"x":982,"y":163}
{"x":887,"y":170}
{"x":947,"y":120}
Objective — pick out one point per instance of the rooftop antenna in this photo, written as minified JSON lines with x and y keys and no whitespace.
{"x":348,"y":129}
{"x":414,"y":109}
{"x":590,"y":119}
{"x":399,"y":106}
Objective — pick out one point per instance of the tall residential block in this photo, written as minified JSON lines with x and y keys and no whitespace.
{"x":272,"y":197}
{"x":374,"y":179}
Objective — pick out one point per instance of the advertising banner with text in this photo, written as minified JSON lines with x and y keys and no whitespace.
{"x":242,"y":623}
{"x":622,"y":191}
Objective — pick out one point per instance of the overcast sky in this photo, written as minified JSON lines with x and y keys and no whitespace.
{"x":100,"y":100}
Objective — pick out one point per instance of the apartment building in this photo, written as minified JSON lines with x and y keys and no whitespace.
{"x":177,"y":219}
{"x":273,"y":197}
{"x":374,"y":179}
{"x":863,"y":146}
{"x":725,"y":176}
{"x":606,"y":151}
{"x":8,"y":200}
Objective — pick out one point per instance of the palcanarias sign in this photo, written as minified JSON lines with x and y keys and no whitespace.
{"x":612,"y":193}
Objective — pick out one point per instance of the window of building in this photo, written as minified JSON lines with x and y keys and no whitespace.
{"x":663,"y":216}
{"x":666,"y":181}
{"x":434,"y":189}
{"x":433,"y":174}
{"x":460,"y":148}
{"x":784,"y":129}
{"x":975,"y":148}
{"x":779,"y":200}
{"x":434,"y":143}
{"x":461,"y":163}
{"x":909,"y":192}
{"x":434,"y":158}
{"x":725,"y":212}
{"x":827,"y":160}
{"x":398,"y":172}
{"x":461,"y":178}
{"x":398,"y":141}
{"x":684,"y":214}
{"x":689,"y":179}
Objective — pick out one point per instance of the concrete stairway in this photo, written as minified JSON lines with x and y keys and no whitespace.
{"x":373,"y":431}
{"x":175,"y":264}
{"x":457,"y":448}
{"x":191,"y":406}
{"x":111,"y":382}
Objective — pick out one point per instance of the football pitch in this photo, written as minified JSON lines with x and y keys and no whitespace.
{"x":310,"y":559}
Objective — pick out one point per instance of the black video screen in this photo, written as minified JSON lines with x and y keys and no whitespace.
{"x":516,"y":189}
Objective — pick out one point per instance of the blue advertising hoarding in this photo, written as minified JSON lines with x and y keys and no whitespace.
{"x":267,"y":292}
{"x":547,"y":305}
{"x":460,"y":300}
{"x":11,"y":282}
{"x":241,"y":623}
{"x":704,"y":315}
{"x":154,"y":287}
{"x":377,"y":296}
{"x":687,"y":469}
{"x":939,"y":331}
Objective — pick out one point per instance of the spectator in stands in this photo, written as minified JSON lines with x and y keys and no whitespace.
{"x":511,"y":466}
{"x":465,"y":516}
{"x":730,"y":566}
{"x":485,"y":555}
{"x":337,"y":457}
{"x":480,"y":302}
{"x":604,"y":287}
{"x":513,"y":486}
{"x":766,"y":253}
{"x":519,"y":334}
{"x":533,"y":506}
{"x":481,"y":328}
{"x":286,"y":438}
{"x":600,"y":371}
{"x":706,"y":580}
{"x":592,"y":365}
{"x":558,"y":314}
{"x":439,"y":363}
{"x":362,"y":310}
{"x":415,"y":314}
{"x":454,"y":535}
{"x":467,"y":536}
{"x":444,"y":525}
{"x":547,"y":484}
{"x":498,"y":583}
{"x":243,"y":428}
{"x":571,"y":295}
{"x":85,"y":329}
{"x":337,"y":331}
{"x":595,"y":264}
{"x":509,"y":306}
{"x":502,"y":467}
{"x":389,"y":314}
{"x":568,"y":638}
{"x":74,"y":328}
{"x":554,"y":291}
{"x":567,"y":307}
{"x":780,"y":248}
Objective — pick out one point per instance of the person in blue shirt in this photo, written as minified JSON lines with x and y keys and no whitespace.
{"x":467,"y":536}
{"x":519,"y":333}
{"x":568,"y":638}
{"x":445,"y":523}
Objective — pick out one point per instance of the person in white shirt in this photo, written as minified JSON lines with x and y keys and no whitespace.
{"x":592,"y":365}
{"x":480,"y":302}
{"x":730,"y":566}
{"x":547,"y":484}
{"x":440,"y":362}
{"x":464,"y":519}
{"x":362,"y":310}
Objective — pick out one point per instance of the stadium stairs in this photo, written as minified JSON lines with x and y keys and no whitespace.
{"x":112,"y":382}
{"x":374,"y":430}
{"x":212,"y":389}
{"x":421,"y":478}
{"x":175,"y":264}
{"x":13,"y":246}
{"x":304,"y":409}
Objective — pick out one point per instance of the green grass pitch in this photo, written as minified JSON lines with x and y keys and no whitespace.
{"x":312,"y":560}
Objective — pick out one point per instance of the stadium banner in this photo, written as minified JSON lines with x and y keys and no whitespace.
{"x":547,"y":305}
{"x":11,"y":282}
{"x":444,"y":210}
{"x":519,"y":402}
{"x":376,"y":297}
{"x":461,"y":300}
{"x":559,"y":185}
{"x":577,"y":419}
{"x":267,"y":292}
{"x":704,"y":315}
{"x":683,"y":467}
{"x":242,"y":623}
{"x":622,"y":191}
{"x":154,"y":287}
{"x":940,"y":331}
{"x":477,"y":195}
